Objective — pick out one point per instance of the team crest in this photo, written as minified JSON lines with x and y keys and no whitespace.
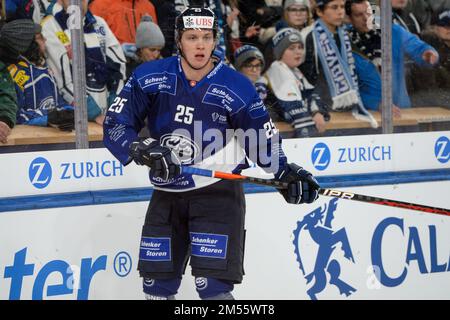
{"x":325,"y":268}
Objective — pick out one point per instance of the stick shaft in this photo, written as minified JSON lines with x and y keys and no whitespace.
{"x":325,"y":192}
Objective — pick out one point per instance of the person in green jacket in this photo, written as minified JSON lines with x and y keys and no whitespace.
{"x":15,"y":39}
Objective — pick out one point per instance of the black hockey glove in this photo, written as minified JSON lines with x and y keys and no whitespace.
{"x":302,"y":186}
{"x":162,"y":161}
{"x":61,"y":118}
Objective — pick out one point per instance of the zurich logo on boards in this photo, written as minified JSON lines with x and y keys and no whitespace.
{"x":321,"y":156}
{"x":40,"y":173}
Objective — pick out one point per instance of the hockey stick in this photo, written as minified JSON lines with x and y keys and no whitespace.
{"x":325,"y":192}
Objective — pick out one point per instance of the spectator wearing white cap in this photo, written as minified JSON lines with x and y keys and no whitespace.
{"x":290,"y":94}
{"x":149,"y":40}
{"x":297,"y":15}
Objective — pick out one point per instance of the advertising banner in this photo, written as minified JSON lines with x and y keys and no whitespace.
{"x":331,"y":249}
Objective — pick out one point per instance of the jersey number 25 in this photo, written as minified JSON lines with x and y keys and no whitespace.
{"x":184,"y":114}
{"x":117,"y":105}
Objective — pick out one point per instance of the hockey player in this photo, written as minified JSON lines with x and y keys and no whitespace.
{"x":190,"y":102}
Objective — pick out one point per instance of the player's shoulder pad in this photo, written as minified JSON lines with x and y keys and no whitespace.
{"x":157,"y":76}
{"x":233,"y":89}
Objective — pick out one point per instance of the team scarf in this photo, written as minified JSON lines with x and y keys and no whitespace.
{"x":340,"y":73}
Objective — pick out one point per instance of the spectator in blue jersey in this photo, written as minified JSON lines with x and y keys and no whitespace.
{"x":15,"y":38}
{"x":294,"y":97}
{"x":105,"y":60}
{"x":39,"y":102}
{"x":196,"y":107}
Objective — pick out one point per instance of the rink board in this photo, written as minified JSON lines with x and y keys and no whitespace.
{"x":356,"y":251}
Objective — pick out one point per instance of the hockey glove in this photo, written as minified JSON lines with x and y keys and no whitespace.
{"x":61,"y":118}
{"x":163,"y":163}
{"x":302,"y":186}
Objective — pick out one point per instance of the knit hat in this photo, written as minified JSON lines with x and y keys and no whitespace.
{"x":148,"y":34}
{"x":245,"y":53}
{"x":18,"y":35}
{"x":441,"y":18}
{"x":320,"y":3}
{"x":283,"y":39}
{"x":289,"y":3}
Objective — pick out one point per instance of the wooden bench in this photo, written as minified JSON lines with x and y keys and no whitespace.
{"x":428,"y":116}
{"x":410,"y":117}
{"x":26,"y":135}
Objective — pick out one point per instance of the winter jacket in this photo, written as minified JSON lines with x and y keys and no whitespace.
{"x":435,"y":91}
{"x":123,"y":16}
{"x":295,"y":101}
{"x":37,"y":92}
{"x":8,"y":98}
{"x":166,"y":13}
{"x":408,"y":21}
{"x":105,"y":61}
{"x":369,"y":82}
{"x":405,"y":43}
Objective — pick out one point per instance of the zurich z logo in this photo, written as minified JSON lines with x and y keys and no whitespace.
{"x":40,"y":173}
{"x":321,"y":156}
{"x":326,"y":239}
{"x":442,"y":149}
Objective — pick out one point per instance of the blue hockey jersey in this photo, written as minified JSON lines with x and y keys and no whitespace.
{"x":217,"y":123}
{"x":37,"y":93}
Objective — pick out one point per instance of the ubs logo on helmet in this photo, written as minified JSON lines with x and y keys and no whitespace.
{"x":40,"y":173}
{"x":321,"y":156}
{"x":184,"y":148}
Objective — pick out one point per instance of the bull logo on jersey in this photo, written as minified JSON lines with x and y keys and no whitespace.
{"x":184,"y":148}
{"x":326,"y":239}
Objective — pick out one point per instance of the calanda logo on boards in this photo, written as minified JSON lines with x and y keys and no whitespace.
{"x":335,"y":252}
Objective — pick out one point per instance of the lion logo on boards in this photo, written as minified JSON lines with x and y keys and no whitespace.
{"x":321,"y":232}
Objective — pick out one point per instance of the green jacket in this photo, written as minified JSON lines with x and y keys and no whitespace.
{"x":8,"y":97}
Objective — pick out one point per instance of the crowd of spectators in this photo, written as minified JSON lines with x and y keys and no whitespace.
{"x":305,"y":58}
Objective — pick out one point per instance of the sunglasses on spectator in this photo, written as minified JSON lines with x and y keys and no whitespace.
{"x":297,"y":9}
{"x":252,"y":66}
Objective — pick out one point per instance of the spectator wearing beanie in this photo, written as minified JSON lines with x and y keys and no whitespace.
{"x":15,"y":38}
{"x":290,"y":94}
{"x":296,"y":14}
{"x":149,"y":40}
{"x":39,"y":102}
{"x":249,"y":61}
{"x":123,"y":16}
